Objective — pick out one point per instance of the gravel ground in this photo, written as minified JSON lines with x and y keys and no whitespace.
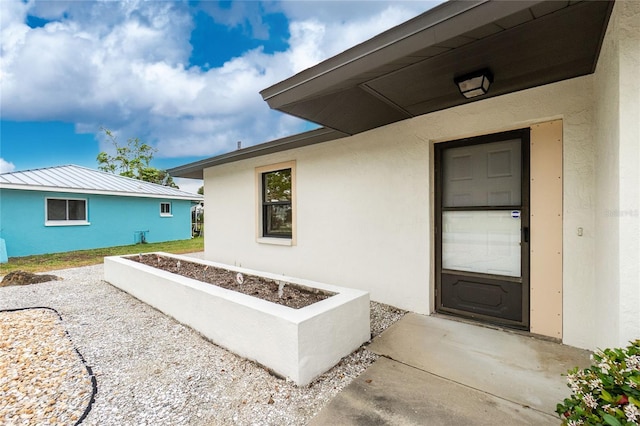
{"x":152,"y":370}
{"x":43,"y":380}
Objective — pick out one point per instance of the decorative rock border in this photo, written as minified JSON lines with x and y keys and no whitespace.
{"x":299,"y":344}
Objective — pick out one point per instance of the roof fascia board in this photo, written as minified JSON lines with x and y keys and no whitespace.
{"x":425,"y":30}
{"x":312,"y":137}
{"x":24,"y":187}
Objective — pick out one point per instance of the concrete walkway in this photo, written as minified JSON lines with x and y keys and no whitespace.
{"x":436,"y":371}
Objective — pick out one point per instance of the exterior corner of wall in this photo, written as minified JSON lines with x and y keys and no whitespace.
{"x":617,"y":178}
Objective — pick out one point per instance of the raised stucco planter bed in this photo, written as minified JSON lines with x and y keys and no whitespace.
{"x":299,"y":344}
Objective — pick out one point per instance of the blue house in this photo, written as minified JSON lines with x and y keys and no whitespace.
{"x":65,"y":208}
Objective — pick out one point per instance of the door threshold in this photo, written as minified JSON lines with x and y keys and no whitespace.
{"x":495,"y":327}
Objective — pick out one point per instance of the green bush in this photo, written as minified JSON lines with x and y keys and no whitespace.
{"x":608,"y":392}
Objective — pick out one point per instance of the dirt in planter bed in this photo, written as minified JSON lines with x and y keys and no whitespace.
{"x":293,"y":296}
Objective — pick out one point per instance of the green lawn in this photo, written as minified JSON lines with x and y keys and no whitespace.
{"x":72,"y":259}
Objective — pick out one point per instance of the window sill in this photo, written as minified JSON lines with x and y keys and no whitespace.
{"x":166,"y":215}
{"x":275,"y":241}
{"x":67,"y":223}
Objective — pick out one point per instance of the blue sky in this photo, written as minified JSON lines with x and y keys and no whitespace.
{"x":182,"y":76}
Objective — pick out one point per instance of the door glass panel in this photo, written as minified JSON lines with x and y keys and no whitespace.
{"x":482,"y":175}
{"x":485,"y":242}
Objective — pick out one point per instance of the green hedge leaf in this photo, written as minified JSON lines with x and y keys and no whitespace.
{"x":610,"y":420}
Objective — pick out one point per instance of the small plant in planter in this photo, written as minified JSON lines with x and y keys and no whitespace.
{"x":606,"y":393}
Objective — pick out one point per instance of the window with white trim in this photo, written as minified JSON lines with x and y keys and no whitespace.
{"x":66,"y":211}
{"x":165,"y":209}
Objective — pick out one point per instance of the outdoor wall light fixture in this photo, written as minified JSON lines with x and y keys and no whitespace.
{"x":474,"y":84}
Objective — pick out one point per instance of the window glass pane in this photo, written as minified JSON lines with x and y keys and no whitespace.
{"x":277,"y":186}
{"x":56,"y":209}
{"x":278,"y":220}
{"x":77,"y":210}
{"x":482,"y":175}
{"x":165,"y":208}
{"x":481,"y":241}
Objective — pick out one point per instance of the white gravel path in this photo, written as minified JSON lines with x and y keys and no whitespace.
{"x":152,"y":370}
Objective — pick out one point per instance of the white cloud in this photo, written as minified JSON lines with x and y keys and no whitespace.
{"x":6,"y":166}
{"x":123,"y":65}
{"x":189,"y":185}
{"x":344,"y":24}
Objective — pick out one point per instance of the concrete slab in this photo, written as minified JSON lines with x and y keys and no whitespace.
{"x":518,"y":368}
{"x":391,"y":393}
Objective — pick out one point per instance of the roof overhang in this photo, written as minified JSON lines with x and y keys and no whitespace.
{"x":409,"y":70}
{"x":195,"y":170}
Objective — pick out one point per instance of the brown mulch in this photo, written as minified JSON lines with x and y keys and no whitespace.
{"x":293,"y":296}
{"x":24,"y":278}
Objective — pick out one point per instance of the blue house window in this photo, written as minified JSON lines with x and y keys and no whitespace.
{"x":165,"y":209}
{"x":66,"y":211}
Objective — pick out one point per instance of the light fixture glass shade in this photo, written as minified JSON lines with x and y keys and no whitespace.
{"x":474,"y":84}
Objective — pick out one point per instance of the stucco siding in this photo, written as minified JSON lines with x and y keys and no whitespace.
{"x":112,"y":221}
{"x":607,"y":135}
{"x":630,"y":171}
{"x":358,"y":188}
{"x":364,"y":202}
{"x":365,"y":212}
{"x":617,"y":93}
{"x":571,"y":101}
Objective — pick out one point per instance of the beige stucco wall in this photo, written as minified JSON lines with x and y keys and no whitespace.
{"x":572,"y":102}
{"x":364,"y":203}
{"x":362,"y":217}
{"x":629,"y":22}
{"x":617,"y":213}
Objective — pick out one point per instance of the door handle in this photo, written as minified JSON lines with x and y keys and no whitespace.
{"x":525,"y":234}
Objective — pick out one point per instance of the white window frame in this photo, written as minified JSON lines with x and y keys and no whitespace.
{"x":259,"y":171}
{"x":66,"y":222}
{"x":166,"y":214}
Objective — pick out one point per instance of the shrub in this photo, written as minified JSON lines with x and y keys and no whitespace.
{"x":606,"y":393}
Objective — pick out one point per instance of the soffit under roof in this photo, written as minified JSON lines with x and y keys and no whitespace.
{"x":409,"y":70}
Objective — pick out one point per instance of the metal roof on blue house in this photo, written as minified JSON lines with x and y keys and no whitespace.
{"x":77,"y":179}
